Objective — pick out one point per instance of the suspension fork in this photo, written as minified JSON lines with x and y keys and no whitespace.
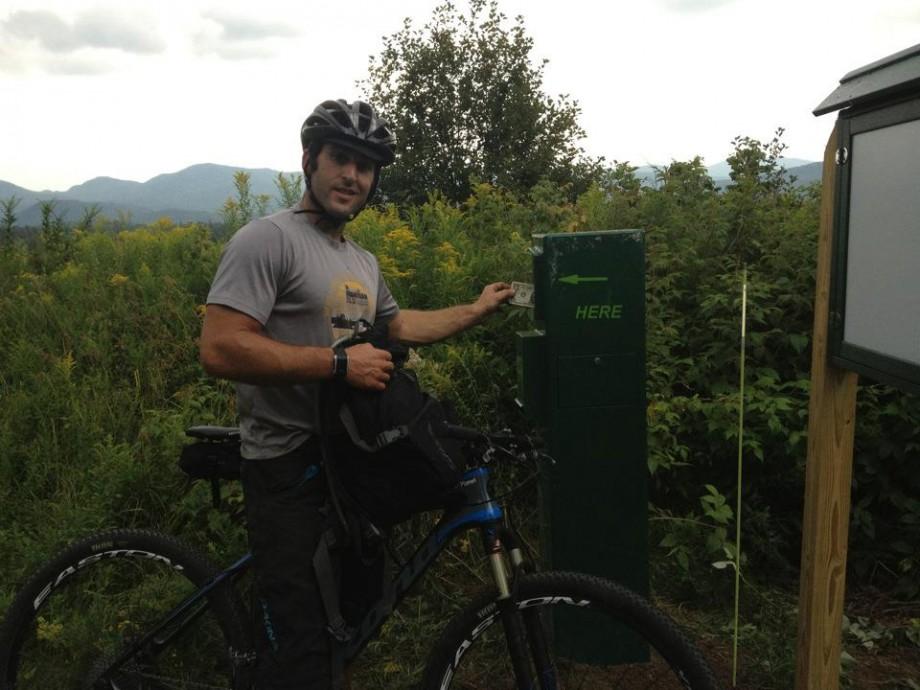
{"x":534,"y":625}
{"x":507,"y":608}
{"x":523,"y":629}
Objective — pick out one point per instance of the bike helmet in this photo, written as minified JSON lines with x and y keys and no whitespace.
{"x":355,"y":125}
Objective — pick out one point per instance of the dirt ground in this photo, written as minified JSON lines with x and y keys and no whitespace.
{"x":881,"y":655}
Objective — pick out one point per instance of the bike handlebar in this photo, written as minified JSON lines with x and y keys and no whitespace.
{"x":521,"y":448}
{"x":462,"y":433}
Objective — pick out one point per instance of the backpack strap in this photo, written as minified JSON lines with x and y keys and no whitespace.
{"x":322,"y":562}
{"x":385,"y":438}
{"x":329,"y":593}
{"x":328,"y":587}
{"x":348,"y":421}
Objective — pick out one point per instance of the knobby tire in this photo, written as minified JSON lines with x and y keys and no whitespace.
{"x":599,"y":635}
{"x":99,"y":594}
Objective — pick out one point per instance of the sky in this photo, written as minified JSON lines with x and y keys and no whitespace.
{"x":142,"y":87}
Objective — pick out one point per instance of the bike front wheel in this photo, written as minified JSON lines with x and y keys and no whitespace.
{"x":100,"y":599}
{"x":593,"y":633}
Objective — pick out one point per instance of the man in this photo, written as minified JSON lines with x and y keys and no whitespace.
{"x":287,"y":286}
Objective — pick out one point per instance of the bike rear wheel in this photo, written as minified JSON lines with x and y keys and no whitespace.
{"x":599,"y":635}
{"x":102,"y":595}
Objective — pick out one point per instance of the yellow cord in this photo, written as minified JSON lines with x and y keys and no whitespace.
{"x":738,"y":506}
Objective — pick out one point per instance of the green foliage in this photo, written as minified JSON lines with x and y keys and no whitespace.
{"x":441,"y":256}
{"x":467,"y":103}
{"x":290,"y":189}
{"x":239,"y":211}
{"x":55,"y":240}
{"x":8,"y":221}
{"x":88,"y":218}
{"x":865,"y":633}
{"x":886,"y":500}
{"x":695,"y":253}
{"x":98,"y":379}
{"x":244,"y":207}
{"x":698,"y":240}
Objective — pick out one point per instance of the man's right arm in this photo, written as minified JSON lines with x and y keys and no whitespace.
{"x":234,"y":346}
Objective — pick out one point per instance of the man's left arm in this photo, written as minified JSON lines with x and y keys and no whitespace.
{"x":421,"y":327}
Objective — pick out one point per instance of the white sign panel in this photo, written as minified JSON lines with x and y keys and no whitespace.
{"x":883,"y":248}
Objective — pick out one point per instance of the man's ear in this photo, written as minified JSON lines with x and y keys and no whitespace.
{"x":305,"y":161}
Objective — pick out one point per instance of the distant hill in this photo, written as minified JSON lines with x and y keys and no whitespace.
{"x":195,"y":193}
{"x":722,"y":170}
{"x":8,"y":190}
{"x":72,"y":211}
{"x":806,"y":174}
{"x":804,"y":171}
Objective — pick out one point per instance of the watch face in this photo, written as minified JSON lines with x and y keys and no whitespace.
{"x":340,"y":364}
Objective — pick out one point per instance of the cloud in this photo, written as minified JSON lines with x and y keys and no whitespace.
{"x":101,"y":29}
{"x":48,"y":29}
{"x":237,"y":37}
{"x":694,"y":5}
{"x":91,"y":29}
{"x":236,"y":27}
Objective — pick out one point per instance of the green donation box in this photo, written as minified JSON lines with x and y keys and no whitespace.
{"x":581,"y":378}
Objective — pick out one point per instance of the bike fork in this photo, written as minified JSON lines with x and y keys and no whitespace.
{"x":523,"y":630}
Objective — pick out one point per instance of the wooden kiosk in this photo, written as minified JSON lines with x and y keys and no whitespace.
{"x":867,"y":321}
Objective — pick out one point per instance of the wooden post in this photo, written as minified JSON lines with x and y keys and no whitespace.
{"x":829,"y":468}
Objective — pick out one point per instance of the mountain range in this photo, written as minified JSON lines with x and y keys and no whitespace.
{"x":195,"y":193}
{"x":198,"y":192}
{"x":805,"y":172}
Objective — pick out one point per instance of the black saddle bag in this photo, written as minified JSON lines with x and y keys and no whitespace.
{"x":215,"y":456}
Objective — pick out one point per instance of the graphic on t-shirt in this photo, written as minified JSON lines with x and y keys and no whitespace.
{"x":348,"y":301}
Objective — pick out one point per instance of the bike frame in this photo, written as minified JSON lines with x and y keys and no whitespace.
{"x":477,"y":509}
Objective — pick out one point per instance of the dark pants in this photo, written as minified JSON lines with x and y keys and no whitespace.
{"x":287,"y":513}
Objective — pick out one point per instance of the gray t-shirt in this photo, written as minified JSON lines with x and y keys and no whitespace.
{"x":305,"y":288}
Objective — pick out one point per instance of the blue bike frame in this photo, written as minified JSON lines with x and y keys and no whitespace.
{"x":477,"y":509}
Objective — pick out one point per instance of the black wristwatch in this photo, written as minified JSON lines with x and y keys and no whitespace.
{"x":339,"y":363}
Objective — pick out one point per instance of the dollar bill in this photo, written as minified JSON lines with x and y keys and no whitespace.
{"x":523,"y":294}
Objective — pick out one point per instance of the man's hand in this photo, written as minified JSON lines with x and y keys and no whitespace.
{"x":492,"y":297}
{"x":368,"y":367}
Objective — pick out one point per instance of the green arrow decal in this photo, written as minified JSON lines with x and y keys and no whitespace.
{"x":576,"y":279}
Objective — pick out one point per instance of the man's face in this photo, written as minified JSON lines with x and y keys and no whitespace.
{"x":341,"y":180}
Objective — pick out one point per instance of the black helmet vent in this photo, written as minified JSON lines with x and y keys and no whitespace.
{"x":355,"y":124}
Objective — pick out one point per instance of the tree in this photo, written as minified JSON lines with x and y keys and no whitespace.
{"x":685,"y":181}
{"x":123,"y":220}
{"x":758,"y":197}
{"x":55,"y":239}
{"x":88,"y":217}
{"x":289,"y":188}
{"x":466,"y":102}
{"x":8,"y":220}
{"x":237,"y":212}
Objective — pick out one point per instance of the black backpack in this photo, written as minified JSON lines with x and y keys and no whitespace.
{"x":411,"y":467}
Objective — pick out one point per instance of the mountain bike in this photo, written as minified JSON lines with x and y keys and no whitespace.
{"x":130,"y":609}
